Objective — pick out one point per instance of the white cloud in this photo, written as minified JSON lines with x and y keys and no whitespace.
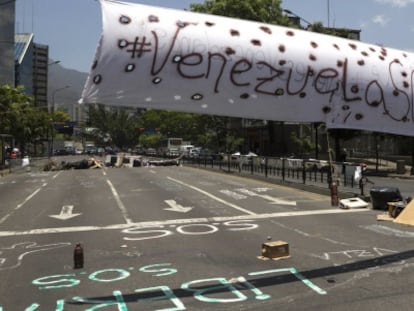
{"x":396,"y":3}
{"x":380,"y":20}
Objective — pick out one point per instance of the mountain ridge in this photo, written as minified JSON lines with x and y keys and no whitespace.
{"x":58,"y":78}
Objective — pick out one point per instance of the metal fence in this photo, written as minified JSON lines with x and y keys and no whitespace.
{"x":284,"y":169}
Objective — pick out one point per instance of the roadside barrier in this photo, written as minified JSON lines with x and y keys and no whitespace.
{"x":309,"y":172}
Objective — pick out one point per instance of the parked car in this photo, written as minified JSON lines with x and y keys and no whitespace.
{"x":244,"y":158}
{"x":316,"y":165}
{"x":60,"y":152}
{"x":100,"y":151}
{"x":89,"y":149}
{"x":109,"y":150}
{"x":138,"y":150}
{"x":194,"y":153}
{"x":70,"y":149}
{"x":207,"y":154}
{"x":185,"y":150}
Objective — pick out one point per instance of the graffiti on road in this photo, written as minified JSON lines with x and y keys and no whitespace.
{"x":214,"y":290}
{"x":381,"y":254}
{"x":154,"y":232}
{"x":12,"y":257}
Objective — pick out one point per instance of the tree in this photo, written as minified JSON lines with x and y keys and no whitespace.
{"x":13,"y":103}
{"x":119,"y":124}
{"x":60,"y":116}
{"x":303,"y":144}
{"x":20,"y":118}
{"x":266,"y":11}
{"x":149,"y":140}
{"x":170,"y":124}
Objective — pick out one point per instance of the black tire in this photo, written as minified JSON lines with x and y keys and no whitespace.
{"x":395,"y":212}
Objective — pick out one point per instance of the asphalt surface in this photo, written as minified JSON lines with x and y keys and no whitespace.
{"x":182,"y":238}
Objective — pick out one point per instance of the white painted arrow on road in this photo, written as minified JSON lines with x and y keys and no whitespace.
{"x":66,"y":213}
{"x":277,"y":200}
{"x":176,"y":207}
{"x":272,"y":200}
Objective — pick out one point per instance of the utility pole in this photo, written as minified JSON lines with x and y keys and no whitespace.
{"x":54,"y":94}
{"x":329,"y":12}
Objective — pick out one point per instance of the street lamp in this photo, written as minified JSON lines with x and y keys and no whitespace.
{"x":54,"y":94}
{"x":54,"y":62}
{"x":298,"y":17}
{"x":49,"y":108}
{"x":50,"y":139}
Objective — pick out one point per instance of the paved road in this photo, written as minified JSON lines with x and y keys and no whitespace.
{"x":179,"y":238}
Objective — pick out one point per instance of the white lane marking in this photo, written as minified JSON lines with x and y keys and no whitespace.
{"x":30,"y":196}
{"x":119,"y":202}
{"x":27,"y":199}
{"x":147,"y":224}
{"x":389,"y":231}
{"x":267,"y":197}
{"x":234,"y":195}
{"x":4,"y":218}
{"x":213,"y":197}
{"x":24,"y":202}
{"x":175,"y":207}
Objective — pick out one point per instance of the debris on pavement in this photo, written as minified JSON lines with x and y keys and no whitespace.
{"x":352,"y":203}
{"x":123,"y":160}
{"x":120,"y":160}
{"x":90,"y":163}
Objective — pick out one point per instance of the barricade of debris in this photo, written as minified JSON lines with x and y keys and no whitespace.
{"x":118,"y":160}
{"x":125,"y":160}
{"x":90,"y":163}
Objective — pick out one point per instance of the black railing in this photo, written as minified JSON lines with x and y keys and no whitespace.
{"x":284,"y":169}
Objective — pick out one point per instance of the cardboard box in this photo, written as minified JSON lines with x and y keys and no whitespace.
{"x":275,"y":249}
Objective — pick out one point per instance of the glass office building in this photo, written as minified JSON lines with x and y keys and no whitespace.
{"x":7,"y":17}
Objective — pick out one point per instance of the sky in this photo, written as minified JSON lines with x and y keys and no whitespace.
{"x":72,"y":28}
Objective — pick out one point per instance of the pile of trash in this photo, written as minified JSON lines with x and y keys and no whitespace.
{"x":90,"y":163}
{"x":120,"y":160}
{"x":124,"y":160}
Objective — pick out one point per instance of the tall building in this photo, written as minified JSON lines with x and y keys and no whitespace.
{"x":7,"y":18}
{"x":40,"y":74}
{"x":31,"y":68}
{"x":23,"y":59}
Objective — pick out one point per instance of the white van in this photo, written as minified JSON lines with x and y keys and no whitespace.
{"x":186,"y":149}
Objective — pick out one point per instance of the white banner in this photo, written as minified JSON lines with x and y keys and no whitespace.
{"x":178,"y":60}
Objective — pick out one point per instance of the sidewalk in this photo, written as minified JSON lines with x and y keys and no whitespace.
{"x":35,"y":164}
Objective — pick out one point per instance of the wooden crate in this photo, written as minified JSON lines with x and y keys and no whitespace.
{"x":275,"y":249}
